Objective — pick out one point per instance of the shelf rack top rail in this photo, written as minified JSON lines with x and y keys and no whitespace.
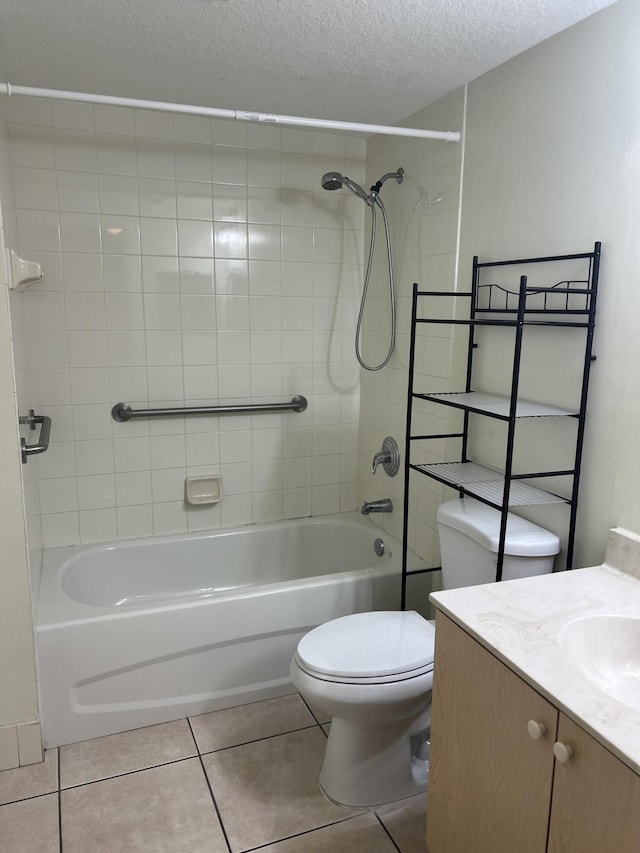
{"x":544,"y":260}
{"x":568,"y":296}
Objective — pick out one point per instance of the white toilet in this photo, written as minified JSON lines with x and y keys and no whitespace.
{"x":373,"y":672}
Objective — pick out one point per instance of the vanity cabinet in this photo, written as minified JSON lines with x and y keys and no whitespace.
{"x":596,"y":798}
{"x":495,"y":785}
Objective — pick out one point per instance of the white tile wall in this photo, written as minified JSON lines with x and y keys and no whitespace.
{"x":185,"y":261}
{"x":423,"y":213}
{"x":19,"y":743}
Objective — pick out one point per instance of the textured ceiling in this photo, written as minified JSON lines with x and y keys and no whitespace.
{"x":357,"y":60}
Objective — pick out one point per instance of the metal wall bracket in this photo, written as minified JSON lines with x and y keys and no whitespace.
{"x":43,"y":439}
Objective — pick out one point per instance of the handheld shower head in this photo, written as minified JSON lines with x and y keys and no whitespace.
{"x":335,"y":181}
{"x":332,"y":181}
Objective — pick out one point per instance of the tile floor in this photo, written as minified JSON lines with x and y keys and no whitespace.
{"x":236,"y":780}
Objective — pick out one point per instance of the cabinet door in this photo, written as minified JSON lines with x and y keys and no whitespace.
{"x":489,"y":782}
{"x":596,"y":799}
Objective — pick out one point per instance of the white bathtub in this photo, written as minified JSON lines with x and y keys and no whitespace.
{"x":156,"y":629}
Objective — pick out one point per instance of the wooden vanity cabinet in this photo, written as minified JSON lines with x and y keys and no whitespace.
{"x":493,"y":788}
{"x":596,"y":798}
{"x":489,"y":782}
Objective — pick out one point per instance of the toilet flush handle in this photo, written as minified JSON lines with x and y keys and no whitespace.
{"x":536,"y":730}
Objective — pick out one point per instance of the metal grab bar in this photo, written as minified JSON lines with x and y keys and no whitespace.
{"x":123,"y":412}
{"x":43,"y":439}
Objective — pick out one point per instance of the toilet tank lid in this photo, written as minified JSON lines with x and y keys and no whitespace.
{"x":482,"y":524}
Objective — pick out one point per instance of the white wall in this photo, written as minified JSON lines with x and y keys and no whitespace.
{"x":17,"y":666}
{"x":552,"y":165}
{"x":186,"y":262}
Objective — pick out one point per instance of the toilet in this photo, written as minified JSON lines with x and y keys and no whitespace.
{"x":372,"y":673}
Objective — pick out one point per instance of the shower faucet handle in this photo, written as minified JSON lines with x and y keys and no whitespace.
{"x":388,"y":457}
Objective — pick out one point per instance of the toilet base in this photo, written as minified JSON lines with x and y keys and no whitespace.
{"x":368,"y":765}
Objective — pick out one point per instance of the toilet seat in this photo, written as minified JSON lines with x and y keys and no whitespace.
{"x":369,"y":648}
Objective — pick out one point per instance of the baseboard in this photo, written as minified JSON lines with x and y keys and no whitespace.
{"x":20,"y":744}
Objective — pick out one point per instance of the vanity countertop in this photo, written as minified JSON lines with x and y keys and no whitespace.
{"x":519,"y":622}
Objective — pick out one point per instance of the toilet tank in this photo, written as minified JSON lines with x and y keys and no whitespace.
{"x":469,"y":536}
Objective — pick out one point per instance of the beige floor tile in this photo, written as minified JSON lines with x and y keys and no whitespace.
{"x":30,"y":781}
{"x":30,"y":826}
{"x":269,"y":790}
{"x":357,"y":835}
{"x":406,"y":822}
{"x":163,"y":810}
{"x":235,"y":726}
{"x":113,"y":755}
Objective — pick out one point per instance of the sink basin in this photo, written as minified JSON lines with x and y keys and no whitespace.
{"x":606,"y":650}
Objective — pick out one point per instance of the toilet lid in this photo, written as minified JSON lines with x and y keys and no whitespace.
{"x":367,"y":645}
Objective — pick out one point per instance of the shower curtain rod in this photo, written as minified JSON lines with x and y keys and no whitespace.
{"x":237,"y":115}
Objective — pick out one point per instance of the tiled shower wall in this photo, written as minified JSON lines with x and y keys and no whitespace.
{"x":424,"y":221}
{"x":186,"y":261}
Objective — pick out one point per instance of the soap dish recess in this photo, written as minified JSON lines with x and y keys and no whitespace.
{"x":203,"y":490}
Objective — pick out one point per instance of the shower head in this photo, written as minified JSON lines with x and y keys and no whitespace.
{"x":332,"y":181}
{"x":335,"y":181}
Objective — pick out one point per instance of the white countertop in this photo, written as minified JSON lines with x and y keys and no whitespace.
{"x":519,"y":621}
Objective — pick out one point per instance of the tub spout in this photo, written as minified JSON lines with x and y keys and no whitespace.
{"x":383,"y":505}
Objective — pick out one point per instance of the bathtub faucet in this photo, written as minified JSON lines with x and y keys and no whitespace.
{"x":383,"y":505}
{"x":388,"y":457}
{"x":378,"y":459}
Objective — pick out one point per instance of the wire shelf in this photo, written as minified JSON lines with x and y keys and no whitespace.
{"x":485,"y":482}
{"x":496,"y":405}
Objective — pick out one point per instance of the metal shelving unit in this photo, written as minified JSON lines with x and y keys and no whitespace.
{"x":570,"y":303}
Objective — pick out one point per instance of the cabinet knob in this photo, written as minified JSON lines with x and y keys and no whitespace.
{"x":536,"y":730}
{"x":562,"y":751}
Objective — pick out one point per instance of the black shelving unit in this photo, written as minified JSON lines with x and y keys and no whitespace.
{"x":569,"y":303}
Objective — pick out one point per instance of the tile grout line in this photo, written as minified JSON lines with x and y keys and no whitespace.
{"x":128,"y":773}
{"x":258,"y":739}
{"x":32,"y":797}
{"x":391,"y":838}
{"x":303,"y":833}
{"x":59,"y":795}
{"x":208,"y":783}
{"x":313,"y":715}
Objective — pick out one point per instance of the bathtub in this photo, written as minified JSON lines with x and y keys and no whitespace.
{"x":151,"y":630}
